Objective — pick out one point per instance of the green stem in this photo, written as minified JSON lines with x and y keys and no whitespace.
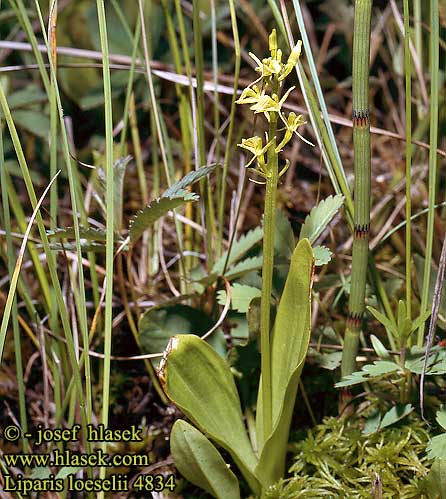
{"x":433,"y":140}
{"x":229,"y":141}
{"x":361,"y":144}
{"x":205,"y":187}
{"x":267,"y":272}
{"x":15,"y":322}
{"x":418,"y":30}
{"x":109,"y":253}
{"x":407,"y":67}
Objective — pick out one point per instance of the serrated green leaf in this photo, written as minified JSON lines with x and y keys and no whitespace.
{"x":89,"y":233}
{"x":380,"y":349}
{"x":378,"y":368}
{"x":155,"y":210}
{"x":290,"y":339}
{"x":436,"y":448}
{"x":200,"y":462}
{"x":239,"y":249}
{"x":177,"y":188}
{"x":243,"y":267}
{"x":284,"y":237}
{"x":201,"y":384}
{"x":241,"y":296}
{"x":320,"y":216}
{"x":395,"y":414}
{"x":322,"y":255}
{"x":84,"y":245}
{"x":436,"y":363}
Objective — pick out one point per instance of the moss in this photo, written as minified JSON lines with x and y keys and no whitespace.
{"x":336,"y":460}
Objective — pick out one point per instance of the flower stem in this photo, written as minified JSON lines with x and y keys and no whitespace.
{"x":267,"y":271}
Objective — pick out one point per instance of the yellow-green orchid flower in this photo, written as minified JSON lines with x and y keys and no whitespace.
{"x":250,"y":95}
{"x":267,"y":104}
{"x":268,"y":66}
{"x":292,"y":123}
{"x":292,"y":61}
{"x":255,"y":146}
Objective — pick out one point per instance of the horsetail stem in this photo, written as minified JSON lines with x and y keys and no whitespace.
{"x":362,"y":158}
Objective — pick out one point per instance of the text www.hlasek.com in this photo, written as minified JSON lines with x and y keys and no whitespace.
{"x":70,"y":458}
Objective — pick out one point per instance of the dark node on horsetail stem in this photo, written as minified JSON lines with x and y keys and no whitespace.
{"x":361,"y":145}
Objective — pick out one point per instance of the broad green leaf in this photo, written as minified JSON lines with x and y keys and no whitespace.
{"x":32,"y":94}
{"x":284,"y":237}
{"x":437,"y":447}
{"x":201,"y":384}
{"x":89,"y":233}
{"x":395,"y":414}
{"x":378,"y":368}
{"x":177,"y":188}
{"x":320,"y":216}
{"x":241,"y":296}
{"x":13,"y":168}
{"x":290,"y":339}
{"x":200,"y":462}
{"x":441,"y":417}
{"x":239,"y":249}
{"x":35,"y":122}
{"x":158,"y":324}
{"x":436,"y":481}
{"x":322,"y":255}
{"x":380,"y":349}
{"x":155,"y":210}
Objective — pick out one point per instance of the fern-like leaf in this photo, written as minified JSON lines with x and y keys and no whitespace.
{"x":320,"y":216}
{"x":155,"y":210}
